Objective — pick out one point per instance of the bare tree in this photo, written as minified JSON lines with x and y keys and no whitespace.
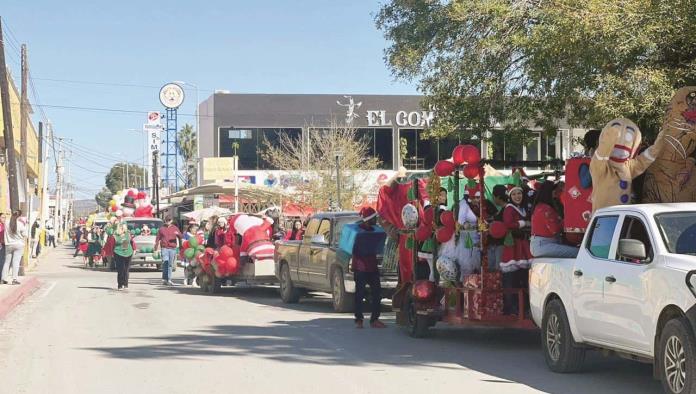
{"x":313,"y":157}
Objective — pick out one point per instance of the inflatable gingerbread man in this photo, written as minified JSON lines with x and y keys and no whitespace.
{"x":672,"y":177}
{"x":614,"y":164}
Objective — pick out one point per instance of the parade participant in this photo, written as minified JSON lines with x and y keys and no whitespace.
{"x":516,"y":256}
{"x":547,"y":226}
{"x":495,"y":246}
{"x":366,"y":273}
{"x":93,"y":245}
{"x":221,"y":233}
{"x":211,"y":227}
{"x":468,"y":252}
{"x":672,"y":177}
{"x":613,"y":166}
{"x":145,"y":230}
{"x":296,"y":233}
{"x":123,"y":250}
{"x":168,"y":239}
{"x":15,"y":234}
{"x":83,"y":243}
{"x":78,"y":237}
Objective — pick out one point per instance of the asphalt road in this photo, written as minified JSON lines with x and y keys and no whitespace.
{"x":77,"y":334}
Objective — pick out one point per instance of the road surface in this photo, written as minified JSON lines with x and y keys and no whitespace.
{"x":77,"y":334}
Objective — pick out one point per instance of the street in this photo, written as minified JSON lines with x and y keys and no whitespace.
{"x":77,"y":334}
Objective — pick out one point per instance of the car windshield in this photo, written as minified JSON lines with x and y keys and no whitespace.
{"x":678,"y":230}
{"x":138,"y":224}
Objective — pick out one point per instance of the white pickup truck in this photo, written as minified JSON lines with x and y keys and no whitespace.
{"x":630,"y":291}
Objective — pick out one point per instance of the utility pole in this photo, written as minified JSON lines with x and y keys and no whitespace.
{"x":58,"y":220}
{"x":44,"y":194}
{"x":7,"y":124}
{"x":23,"y":130}
{"x":155,"y":181}
{"x":338,"y":180}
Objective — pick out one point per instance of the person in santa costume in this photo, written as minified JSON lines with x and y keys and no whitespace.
{"x":516,"y":254}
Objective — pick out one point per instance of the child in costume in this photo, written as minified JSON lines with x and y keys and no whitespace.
{"x":613,"y":166}
{"x":672,"y":177}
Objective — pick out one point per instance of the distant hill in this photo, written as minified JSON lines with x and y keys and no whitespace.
{"x":84,"y":207}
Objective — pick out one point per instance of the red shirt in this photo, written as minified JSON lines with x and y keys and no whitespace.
{"x":367,"y":262}
{"x":167,"y":237}
{"x":546,"y":222}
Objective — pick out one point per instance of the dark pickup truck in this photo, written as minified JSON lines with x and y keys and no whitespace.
{"x":317,"y":264}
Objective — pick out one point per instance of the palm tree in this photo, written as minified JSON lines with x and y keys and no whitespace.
{"x":188,"y":149}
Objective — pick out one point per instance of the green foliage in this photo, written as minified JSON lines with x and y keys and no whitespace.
{"x":526,"y":64}
{"x":103,"y":197}
{"x":188,"y":149}
{"x":115,"y":179}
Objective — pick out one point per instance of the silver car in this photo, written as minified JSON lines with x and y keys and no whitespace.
{"x":145,"y":243}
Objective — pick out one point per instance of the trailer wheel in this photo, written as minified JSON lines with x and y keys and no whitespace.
{"x":676,"y":357}
{"x":214,"y":284}
{"x":417,"y":325}
{"x":561,"y":352}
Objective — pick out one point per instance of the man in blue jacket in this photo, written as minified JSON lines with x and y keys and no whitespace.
{"x":366,"y":273}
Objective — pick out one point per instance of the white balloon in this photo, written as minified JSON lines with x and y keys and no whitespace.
{"x":409,"y":216}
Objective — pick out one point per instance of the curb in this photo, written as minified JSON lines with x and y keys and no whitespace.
{"x":15,"y":297}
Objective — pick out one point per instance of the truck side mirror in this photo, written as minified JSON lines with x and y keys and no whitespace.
{"x":633,"y":249}
{"x":318,"y":239}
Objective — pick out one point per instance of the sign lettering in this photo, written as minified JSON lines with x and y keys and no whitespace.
{"x":379,"y":118}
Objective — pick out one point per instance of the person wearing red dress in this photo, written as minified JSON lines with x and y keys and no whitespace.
{"x":296,"y":233}
{"x":516,"y":253}
{"x":547,"y":226}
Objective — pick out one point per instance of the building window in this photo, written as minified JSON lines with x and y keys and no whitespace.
{"x":416,"y":152}
{"x":380,"y":145}
{"x":249,"y":141}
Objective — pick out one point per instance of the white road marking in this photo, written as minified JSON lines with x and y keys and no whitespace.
{"x":48,"y":290}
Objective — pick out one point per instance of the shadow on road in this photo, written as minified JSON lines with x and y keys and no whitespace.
{"x":508,"y":355}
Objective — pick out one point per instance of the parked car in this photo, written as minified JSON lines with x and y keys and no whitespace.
{"x":317,"y":264}
{"x":145,"y":244}
{"x":630,"y":291}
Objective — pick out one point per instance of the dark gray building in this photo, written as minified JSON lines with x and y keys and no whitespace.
{"x":246,"y":119}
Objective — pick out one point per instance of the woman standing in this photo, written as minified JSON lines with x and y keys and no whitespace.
{"x":15,"y":235}
{"x":123,"y":252}
{"x":547,"y":226}
{"x":516,"y":257}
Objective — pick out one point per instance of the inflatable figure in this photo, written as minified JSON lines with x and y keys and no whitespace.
{"x":672,"y":177}
{"x":613,"y":166}
{"x":256,"y":235}
{"x":143,"y":207}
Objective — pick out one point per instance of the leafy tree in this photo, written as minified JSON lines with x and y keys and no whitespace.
{"x":115,"y":179}
{"x":103,"y":197}
{"x":313,"y":158}
{"x":526,"y":63}
{"x":188,"y":149}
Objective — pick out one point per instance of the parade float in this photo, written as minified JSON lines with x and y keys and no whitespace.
{"x":244,"y":254}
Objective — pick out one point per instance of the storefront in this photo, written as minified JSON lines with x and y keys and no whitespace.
{"x":392,"y":124}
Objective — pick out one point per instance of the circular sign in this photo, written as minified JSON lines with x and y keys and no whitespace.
{"x":171,"y":95}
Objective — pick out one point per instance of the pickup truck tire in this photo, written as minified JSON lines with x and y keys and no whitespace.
{"x":343,"y":302}
{"x":676,"y":357}
{"x":418,"y":325}
{"x":214,"y":285}
{"x":561,"y":352}
{"x":288,"y":292}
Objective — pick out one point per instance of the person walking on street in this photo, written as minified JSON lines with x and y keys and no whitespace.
{"x":51,"y":232}
{"x":33,"y":249}
{"x":15,"y":236}
{"x":168,"y":238}
{"x":366,"y":273}
{"x":78,"y":237}
{"x":120,"y":247}
{"x":2,"y":242}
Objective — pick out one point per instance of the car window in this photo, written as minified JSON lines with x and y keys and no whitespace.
{"x":325,"y":229}
{"x":678,"y":231}
{"x":600,"y":238}
{"x":633,"y":228}
{"x":312,"y":227}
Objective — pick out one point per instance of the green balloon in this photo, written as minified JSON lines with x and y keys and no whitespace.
{"x":190,"y":253}
{"x":193,"y":241}
{"x":138,"y":231}
{"x":156,"y":255}
{"x":154,"y":231}
{"x":109,"y":231}
{"x":200,"y":248}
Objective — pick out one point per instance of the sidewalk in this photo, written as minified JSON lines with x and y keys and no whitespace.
{"x":13,"y":295}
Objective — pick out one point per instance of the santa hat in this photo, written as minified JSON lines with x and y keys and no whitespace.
{"x":512,"y":188}
{"x":368,"y":213}
{"x":141,"y":196}
{"x":474,"y":191}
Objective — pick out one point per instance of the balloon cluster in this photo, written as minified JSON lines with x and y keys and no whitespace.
{"x":226,"y":262}
{"x":193,"y":247}
{"x":461,"y":154}
{"x":131,"y":203}
{"x":446,"y":232}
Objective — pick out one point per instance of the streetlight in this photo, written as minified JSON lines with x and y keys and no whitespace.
{"x":198,"y":132}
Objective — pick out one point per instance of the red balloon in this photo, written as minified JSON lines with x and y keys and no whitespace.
{"x":423,"y":290}
{"x":447,"y":219}
{"x":444,"y":234}
{"x":200,"y":239}
{"x":114,"y":208}
{"x":226,"y":252}
{"x":444,"y":168}
{"x":424,"y":232}
{"x":498,"y":230}
{"x":466,"y":154}
{"x":185,"y":245}
{"x":471,"y":171}
{"x":233,"y":265}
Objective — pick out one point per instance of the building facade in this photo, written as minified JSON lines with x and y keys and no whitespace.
{"x":393,"y":125}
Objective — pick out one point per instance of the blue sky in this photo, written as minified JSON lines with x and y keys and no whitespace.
{"x":273,"y":46}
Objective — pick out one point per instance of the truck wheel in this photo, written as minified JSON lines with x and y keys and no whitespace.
{"x":214,"y":285}
{"x":676,"y":357}
{"x":561,"y":352}
{"x":288,"y":293}
{"x":342,"y":301}
{"x":418,"y":325}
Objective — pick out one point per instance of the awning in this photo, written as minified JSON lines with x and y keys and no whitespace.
{"x":246,"y":192}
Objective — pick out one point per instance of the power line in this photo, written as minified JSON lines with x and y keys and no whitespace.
{"x":115,"y":110}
